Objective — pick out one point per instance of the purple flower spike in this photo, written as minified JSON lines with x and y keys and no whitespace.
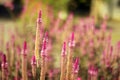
{"x":40,"y":14}
{"x":93,"y":71}
{"x":39,"y":20}
{"x":43,"y":51}
{"x":4,"y":61}
{"x":72,"y":42}
{"x":64,"y":49}
{"x":33,"y":60}
{"x":76,"y":65}
{"x":44,"y":45}
{"x":4,"y":58}
{"x":45,"y":37}
{"x":24,"y":51}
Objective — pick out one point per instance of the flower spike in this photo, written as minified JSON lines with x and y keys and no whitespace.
{"x":40,"y":14}
{"x":64,"y":49}
{"x":72,"y":42}
{"x":33,"y":60}
{"x":76,"y":65}
{"x":24,"y":51}
{"x":39,"y":20}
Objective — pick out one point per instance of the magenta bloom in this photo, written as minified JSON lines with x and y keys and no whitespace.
{"x":79,"y":78}
{"x":43,"y":51}
{"x":45,"y":37}
{"x":44,"y":45}
{"x":33,"y":60}
{"x":39,"y":20}
{"x":92,"y":71}
{"x":40,"y":14}
{"x":63,"y":49}
{"x":72,"y":42}
{"x":4,"y":61}
{"x":76,"y":65}
{"x":24,"y":50}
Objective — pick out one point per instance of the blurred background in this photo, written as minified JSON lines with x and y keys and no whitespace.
{"x":13,"y":12}
{"x":18,"y":20}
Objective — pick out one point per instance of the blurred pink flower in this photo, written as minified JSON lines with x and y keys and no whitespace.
{"x":64,"y":49}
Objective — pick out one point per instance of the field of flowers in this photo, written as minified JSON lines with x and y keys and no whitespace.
{"x":55,"y":48}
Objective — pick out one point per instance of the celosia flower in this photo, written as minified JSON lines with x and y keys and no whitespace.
{"x":72,"y":41}
{"x":45,"y":37}
{"x":79,"y":78}
{"x":92,"y":71}
{"x":43,"y":51}
{"x":50,"y":74}
{"x":63,"y":49}
{"x":44,"y":45}
{"x":39,"y":19}
{"x":33,"y":60}
{"x":4,"y":61}
{"x":76,"y":65}
{"x":24,"y":50}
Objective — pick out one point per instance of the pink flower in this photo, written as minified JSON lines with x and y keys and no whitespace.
{"x":33,"y":60}
{"x":79,"y":78}
{"x":92,"y":71}
{"x":43,"y":51}
{"x":64,"y":49}
{"x":72,"y":42}
{"x":50,"y":74}
{"x":24,"y":50}
{"x":39,"y":20}
{"x":4,"y":61}
{"x":44,"y":45}
{"x":45,"y":37}
{"x":76,"y":65}
{"x":40,"y":14}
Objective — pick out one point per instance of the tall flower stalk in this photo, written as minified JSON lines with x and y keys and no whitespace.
{"x":43,"y":59}
{"x":8,"y":55}
{"x":4,"y":66}
{"x":75,"y":69}
{"x":37,"y":40}
{"x":70,"y":57}
{"x":33,"y":63}
{"x":12,"y":51}
{"x":63,"y":62}
{"x":24,"y":61}
{"x":17,"y":65}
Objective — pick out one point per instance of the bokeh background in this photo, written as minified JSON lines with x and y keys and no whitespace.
{"x":18,"y":18}
{"x":14,"y":12}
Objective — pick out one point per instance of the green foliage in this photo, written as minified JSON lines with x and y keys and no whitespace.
{"x":57,"y":5}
